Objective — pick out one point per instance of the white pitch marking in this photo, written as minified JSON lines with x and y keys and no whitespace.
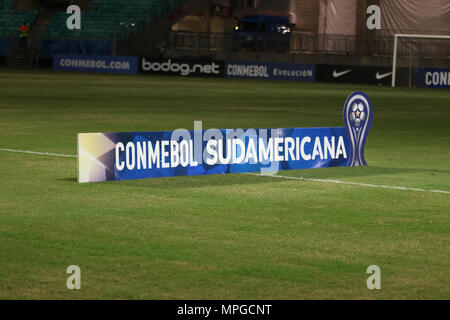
{"x":262,"y":175}
{"x":349,"y":183}
{"x":40,"y":153}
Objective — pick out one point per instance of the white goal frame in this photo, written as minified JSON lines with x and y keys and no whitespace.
{"x":401,"y":35}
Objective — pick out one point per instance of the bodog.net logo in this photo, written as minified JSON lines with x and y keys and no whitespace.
{"x":182,"y":67}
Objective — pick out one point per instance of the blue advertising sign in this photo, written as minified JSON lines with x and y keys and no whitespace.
{"x":432,"y":78}
{"x":94,"y":63}
{"x":137,"y":155}
{"x":270,"y":71}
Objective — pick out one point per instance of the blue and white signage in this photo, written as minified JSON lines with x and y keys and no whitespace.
{"x":93,"y":63}
{"x":270,"y":71}
{"x":137,"y":155}
{"x":433,"y":78}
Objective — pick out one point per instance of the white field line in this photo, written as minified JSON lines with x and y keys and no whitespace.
{"x":349,"y":183}
{"x":264,"y":175}
{"x":40,"y":153}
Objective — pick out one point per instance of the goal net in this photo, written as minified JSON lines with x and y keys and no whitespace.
{"x":415,"y":52}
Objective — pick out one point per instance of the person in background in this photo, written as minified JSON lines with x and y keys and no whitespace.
{"x":23,"y":35}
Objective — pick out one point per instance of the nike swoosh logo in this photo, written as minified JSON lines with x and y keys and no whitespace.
{"x":382,"y":76}
{"x":338,"y":74}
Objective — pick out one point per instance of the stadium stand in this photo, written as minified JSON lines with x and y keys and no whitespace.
{"x":105,"y":21}
{"x":10,"y":21}
{"x":111,"y":18}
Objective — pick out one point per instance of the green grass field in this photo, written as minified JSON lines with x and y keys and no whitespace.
{"x":233,"y":236}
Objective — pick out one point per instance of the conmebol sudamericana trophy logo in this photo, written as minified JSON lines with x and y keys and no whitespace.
{"x":358,"y":116}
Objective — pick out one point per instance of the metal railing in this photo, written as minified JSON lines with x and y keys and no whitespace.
{"x":310,"y":44}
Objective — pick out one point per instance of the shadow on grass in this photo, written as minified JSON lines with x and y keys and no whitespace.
{"x":217,"y":180}
{"x":185,"y":182}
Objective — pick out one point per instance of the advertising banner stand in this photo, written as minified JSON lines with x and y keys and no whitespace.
{"x":138,"y":155}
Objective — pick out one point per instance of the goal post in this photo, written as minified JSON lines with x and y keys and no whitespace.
{"x":400,"y":35}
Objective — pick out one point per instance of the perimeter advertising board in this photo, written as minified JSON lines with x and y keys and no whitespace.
{"x":270,"y":71}
{"x":94,"y":63}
